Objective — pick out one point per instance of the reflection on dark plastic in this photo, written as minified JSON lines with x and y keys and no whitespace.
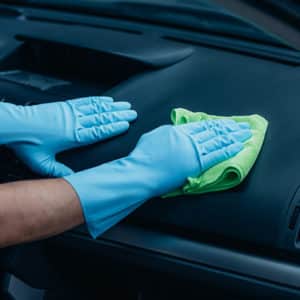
{"x":294,"y":218}
{"x":38,"y":81}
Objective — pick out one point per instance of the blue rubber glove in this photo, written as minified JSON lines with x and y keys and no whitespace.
{"x":37,"y":133}
{"x":160,"y":163}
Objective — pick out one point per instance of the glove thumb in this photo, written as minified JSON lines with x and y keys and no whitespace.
{"x":52,"y":168}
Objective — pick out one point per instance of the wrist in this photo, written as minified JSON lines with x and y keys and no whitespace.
{"x":75,"y":209}
{"x":16,"y":125}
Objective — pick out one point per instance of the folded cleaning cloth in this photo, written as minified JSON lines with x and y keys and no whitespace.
{"x":231,"y":172}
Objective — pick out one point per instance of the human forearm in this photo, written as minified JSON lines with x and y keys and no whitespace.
{"x":38,"y":209}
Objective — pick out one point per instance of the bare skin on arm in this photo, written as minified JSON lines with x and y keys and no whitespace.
{"x":32,"y":210}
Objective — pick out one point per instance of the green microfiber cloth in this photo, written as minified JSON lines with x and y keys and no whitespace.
{"x":231,"y":172}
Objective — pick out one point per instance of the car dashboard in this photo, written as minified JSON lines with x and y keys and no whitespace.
{"x":243,"y":239}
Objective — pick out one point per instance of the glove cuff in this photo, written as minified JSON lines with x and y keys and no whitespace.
{"x":110,"y":192}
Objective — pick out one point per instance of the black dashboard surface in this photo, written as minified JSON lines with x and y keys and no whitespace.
{"x":204,"y":79}
{"x":212,"y":76}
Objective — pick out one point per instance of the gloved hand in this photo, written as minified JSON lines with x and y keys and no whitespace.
{"x":161,"y":162}
{"x":37,"y":133}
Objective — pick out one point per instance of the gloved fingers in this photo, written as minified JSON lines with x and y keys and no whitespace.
{"x":118,"y":106}
{"x":193,"y":127}
{"x":244,"y":125}
{"x":104,"y":98}
{"x":89,"y":100}
{"x":227,"y":125}
{"x":97,"y":108}
{"x":216,"y":143}
{"x":118,"y":116}
{"x":219,"y":126}
{"x":206,"y":135}
{"x":110,"y":107}
{"x":220,"y":155}
{"x":224,"y":140}
{"x":109,"y":117}
{"x":98,"y":133}
{"x":242,"y":135}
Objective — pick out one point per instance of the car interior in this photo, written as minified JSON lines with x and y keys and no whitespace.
{"x":243,"y":243}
